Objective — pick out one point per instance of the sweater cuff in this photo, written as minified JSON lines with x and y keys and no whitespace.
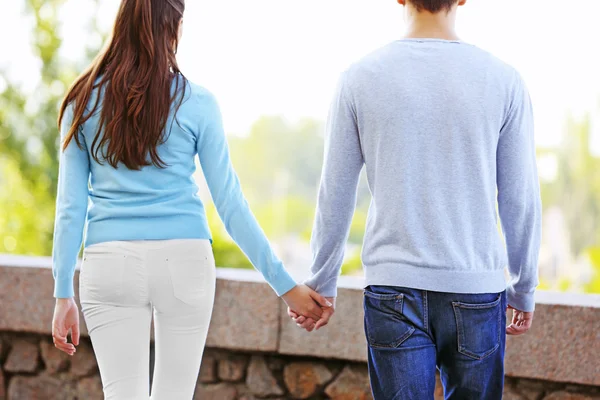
{"x":63,"y":288}
{"x":282,"y":283}
{"x":520,"y":300}
{"x":328,"y":289}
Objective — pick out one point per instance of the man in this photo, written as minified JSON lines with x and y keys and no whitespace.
{"x":444,"y":130}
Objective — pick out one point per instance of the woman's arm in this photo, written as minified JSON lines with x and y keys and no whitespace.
{"x":71,"y":209}
{"x":229,"y":200}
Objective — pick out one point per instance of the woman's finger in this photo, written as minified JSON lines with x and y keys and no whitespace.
{"x":66,"y":347}
{"x":313,"y":311}
{"x":321,"y":323}
{"x":61,"y":342}
{"x":293,"y":314}
{"x":313,"y":315}
{"x":59,"y":336}
{"x":75,"y":333}
{"x":307,"y":324}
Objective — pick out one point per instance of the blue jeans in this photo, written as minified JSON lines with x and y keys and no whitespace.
{"x":412,"y":332}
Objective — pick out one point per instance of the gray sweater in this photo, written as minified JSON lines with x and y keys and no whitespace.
{"x":445,"y":131}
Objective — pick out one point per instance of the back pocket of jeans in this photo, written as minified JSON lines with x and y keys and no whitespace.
{"x":385,"y":326}
{"x":479,"y":327}
{"x":189,"y":278}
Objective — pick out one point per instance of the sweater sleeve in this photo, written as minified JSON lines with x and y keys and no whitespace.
{"x":230,"y":202}
{"x":336,"y":198}
{"x":71,"y":209}
{"x":519,"y":201}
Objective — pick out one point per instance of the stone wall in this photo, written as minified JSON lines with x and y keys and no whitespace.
{"x":31,"y":368}
{"x":255,"y":351}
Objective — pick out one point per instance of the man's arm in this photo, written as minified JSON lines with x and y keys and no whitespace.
{"x":519,"y":200}
{"x":342,"y":163}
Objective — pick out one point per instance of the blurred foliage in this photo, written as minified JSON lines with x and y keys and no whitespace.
{"x":353,"y":264}
{"x":279,"y":165}
{"x":226,"y":252}
{"x":576,"y":192}
{"x":593,"y":286}
{"x":278,"y":159}
{"x":289,"y":215}
{"x":26,"y":212}
{"x":576,"y":189}
{"x":29,"y":140}
{"x":544,"y":285}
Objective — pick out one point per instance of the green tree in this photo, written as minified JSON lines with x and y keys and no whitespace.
{"x":576,"y":192}
{"x":28,"y":149}
{"x":278,"y":159}
{"x":593,"y":286}
{"x":279,"y":165}
{"x":576,"y":189}
{"x":227,"y":253}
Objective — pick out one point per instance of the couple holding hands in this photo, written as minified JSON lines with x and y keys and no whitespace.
{"x":445,"y":133}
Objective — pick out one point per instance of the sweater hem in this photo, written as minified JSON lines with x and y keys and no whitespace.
{"x":175,"y":227}
{"x":436,"y":280}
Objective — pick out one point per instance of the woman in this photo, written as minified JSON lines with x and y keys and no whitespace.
{"x":131,"y":126}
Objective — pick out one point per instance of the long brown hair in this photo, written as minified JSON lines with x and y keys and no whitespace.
{"x":136,"y":70}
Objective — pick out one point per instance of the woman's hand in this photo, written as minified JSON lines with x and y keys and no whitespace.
{"x":66,"y":317}
{"x":305,"y":301}
{"x":308,"y":323}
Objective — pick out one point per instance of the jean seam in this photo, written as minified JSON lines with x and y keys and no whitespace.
{"x":384,"y":297}
{"x":502,"y":310}
{"x":459,"y":332}
{"x":425,"y":312}
{"x":470,"y":306}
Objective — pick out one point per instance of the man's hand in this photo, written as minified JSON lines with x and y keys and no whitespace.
{"x":521,"y":322}
{"x":306,"y":302}
{"x":308,"y":323}
{"x":66,"y":318}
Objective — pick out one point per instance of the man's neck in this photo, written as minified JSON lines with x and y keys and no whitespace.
{"x":435,"y":26}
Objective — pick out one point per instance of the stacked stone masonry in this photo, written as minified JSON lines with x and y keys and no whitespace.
{"x":255,"y":351}
{"x":32,"y":368}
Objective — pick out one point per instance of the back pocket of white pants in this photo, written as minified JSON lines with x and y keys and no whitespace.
{"x":189,"y":278}
{"x":101,"y":277}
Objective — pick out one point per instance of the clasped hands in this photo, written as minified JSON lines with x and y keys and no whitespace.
{"x":308,"y":308}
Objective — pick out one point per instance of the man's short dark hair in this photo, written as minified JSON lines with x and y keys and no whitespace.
{"x":433,"y":6}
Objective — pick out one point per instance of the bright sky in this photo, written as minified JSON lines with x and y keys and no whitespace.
{"x":283,"y":57}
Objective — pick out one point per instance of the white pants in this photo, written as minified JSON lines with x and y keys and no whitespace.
{"x":121,"y":285}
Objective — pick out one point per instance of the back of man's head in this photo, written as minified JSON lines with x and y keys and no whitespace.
{"x":433,"y":6}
